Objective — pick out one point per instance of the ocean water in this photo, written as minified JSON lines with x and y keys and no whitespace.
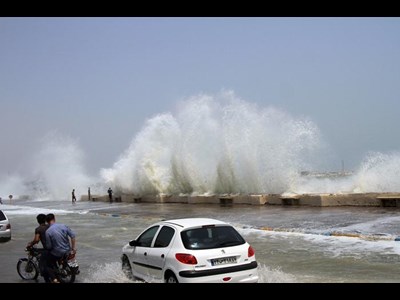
{"x":292,"y":244}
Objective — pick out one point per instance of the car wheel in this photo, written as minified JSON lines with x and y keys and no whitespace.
{"x":126,"y":267}
{"x":171,"y":278}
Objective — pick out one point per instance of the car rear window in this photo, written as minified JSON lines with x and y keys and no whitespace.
{"x":2,"y":216}
{"x":211,"y":237}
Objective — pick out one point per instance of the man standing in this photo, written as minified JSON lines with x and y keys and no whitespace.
{"x":88,"y":191}
{"x":60,"y":240}
{"x":110,"y":194}
{"x":73,"y":196}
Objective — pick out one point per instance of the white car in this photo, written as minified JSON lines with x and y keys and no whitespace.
{"x":5,"y":227}
{"x":190,"y":250}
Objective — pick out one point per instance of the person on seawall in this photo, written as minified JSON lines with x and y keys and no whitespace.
{"x":110,"y":194}
{"x":73,"y":196}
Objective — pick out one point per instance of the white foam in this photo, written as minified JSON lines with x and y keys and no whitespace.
{"x":216,"y":144}
{"x":369,"y":226}
{"x":379,"y":172}
{"x":112,"y":273}
{"x":334,"y":245}
{"x":106,"y":273}
{"x":27,"y":210}
{"x":271,"y":275}
{"x":354,"y":247}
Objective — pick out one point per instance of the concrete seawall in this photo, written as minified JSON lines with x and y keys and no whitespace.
{"x":350,"y":199}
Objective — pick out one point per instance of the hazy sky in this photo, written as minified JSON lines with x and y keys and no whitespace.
{"x":98,"y":79}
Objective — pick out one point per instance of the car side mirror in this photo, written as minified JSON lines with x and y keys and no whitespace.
{"x":133,"y":243}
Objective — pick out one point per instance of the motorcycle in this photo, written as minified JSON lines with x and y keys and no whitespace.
{"x":66,"y":267}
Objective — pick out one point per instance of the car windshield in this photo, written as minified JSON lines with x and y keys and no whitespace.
{"x":211,"y":237}
{"x":2,"y":216}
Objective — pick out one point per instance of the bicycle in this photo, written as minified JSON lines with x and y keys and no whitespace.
{"x":66,"y":268}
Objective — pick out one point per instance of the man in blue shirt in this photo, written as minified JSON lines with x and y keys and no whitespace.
{"x":60,"y":240}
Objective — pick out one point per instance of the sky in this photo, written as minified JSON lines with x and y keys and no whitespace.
{"x":97,"y":80}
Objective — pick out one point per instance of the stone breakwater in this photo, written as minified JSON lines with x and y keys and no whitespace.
{"x":321,"y":200}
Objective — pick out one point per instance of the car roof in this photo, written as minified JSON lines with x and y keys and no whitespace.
{"x":194,"y":222}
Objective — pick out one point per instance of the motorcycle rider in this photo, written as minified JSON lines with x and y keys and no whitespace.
{"x":60,"y":240}
{"x":40,"y":235}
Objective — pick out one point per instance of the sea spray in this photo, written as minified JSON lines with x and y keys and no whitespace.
{"x":379,"y":172}
{"x":216,"y":144}
{"x":211,"y":144}
{"x":106,"y":273}
{"x":12,"y":185}
{"x":58,"y":167}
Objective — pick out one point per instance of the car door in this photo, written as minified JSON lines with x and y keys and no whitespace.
{"x":159,"y":251}
{"x":140,"y":263}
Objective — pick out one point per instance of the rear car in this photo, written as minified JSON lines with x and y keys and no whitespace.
{"x":5,"y":227}
{"x":191,"y":250}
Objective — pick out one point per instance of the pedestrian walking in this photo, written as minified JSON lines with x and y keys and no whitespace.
{"x":73,"y":196}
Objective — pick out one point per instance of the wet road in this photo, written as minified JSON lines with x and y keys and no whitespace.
{"x":298,"y":249}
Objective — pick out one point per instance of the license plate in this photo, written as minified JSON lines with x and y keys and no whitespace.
{"x":223,"y":261}
{"x":73,"y":263}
